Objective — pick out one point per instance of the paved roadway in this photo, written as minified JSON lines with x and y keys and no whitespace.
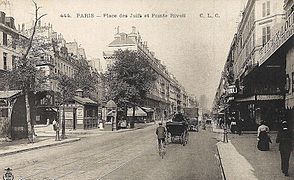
{"x":127,"y":155}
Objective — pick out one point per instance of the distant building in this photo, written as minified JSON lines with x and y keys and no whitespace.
{"x":10,"y":48}
{"x":95,"y":63}
{"x":55,"y":58}
{"x":167,"y":96}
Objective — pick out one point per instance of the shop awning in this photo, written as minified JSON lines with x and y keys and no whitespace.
{"x":269,"y":97}
{"x":260,"y":98}
{"x":138,"y":112}
{"x":9,"y":94}
{"x":147,"y":109}
{"x":250,"y":98}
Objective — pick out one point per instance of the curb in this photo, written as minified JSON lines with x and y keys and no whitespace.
{"x":220,"y":164}
{"x":39,"y":147}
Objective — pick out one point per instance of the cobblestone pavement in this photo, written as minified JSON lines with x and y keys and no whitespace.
{"x":129,"y":155}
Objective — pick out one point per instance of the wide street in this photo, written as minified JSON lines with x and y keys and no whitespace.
{"x":125,"y":155}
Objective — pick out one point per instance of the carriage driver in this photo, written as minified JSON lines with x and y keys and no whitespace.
{"x":160,"y":132}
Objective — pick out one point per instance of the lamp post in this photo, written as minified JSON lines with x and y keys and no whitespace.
{"x":111,"y":106}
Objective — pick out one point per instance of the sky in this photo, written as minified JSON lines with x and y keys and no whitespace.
{"x":194,"y":47}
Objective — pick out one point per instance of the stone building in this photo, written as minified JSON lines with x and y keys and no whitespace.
{"x":253,"y":76}
{"x":9,"y":48}
{"x":167,"y":96}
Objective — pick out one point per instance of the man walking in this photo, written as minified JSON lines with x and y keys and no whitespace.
{"x":160,"y":132}
{"x":285,"y":138}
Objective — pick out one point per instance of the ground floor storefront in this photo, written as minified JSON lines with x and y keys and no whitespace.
{"x":251,"y":111}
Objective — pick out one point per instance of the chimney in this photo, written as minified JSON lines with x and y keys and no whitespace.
{"x":2,"y":17}
{"x":18,"y":27}
{"x":133,"y":34}
{"x":117,"y":29}
{"x":79,"y":92}
{"x":39,"y":23}
{"x":133,"y":29}
{"x":117,"y":36}
{"x":145,"y":44}
{"x":9,"y":21}
{"x":22,"y":27}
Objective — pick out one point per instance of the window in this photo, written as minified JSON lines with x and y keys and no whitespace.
{"x":14,"y":43}
{"x":13,"y":61}
{"x":4,"y":39}
{"x":268,"y":10}
{"x":266,"y":34}
{"x":5,"y":61}
{"x":263,"y":9}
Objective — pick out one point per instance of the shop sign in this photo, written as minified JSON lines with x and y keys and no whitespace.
{"x":79,"y":121}
{"x":231,"y":90}
{"x":286,"y":31}
{"x":80,"y":113}
{"x":68,"y":115}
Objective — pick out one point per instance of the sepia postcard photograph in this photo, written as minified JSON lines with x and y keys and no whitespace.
{"x":146,"y":89}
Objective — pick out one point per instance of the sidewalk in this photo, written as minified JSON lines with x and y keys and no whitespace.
{"x":240,"y":159}
{"x":7,"y":148}
{"x":46,"y":138}
{"x":44,"y":130}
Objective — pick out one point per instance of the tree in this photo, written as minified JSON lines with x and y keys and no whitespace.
{"x":67,"y":86}
{"x":67,"y":89}
{"x":129,"y":79}
{"x":25,"y":75}
{"x":84,"y":78}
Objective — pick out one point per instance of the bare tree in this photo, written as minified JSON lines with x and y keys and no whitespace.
{"x":24,"y":75}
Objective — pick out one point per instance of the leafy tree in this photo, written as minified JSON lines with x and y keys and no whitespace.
{"x":25,"y":75}
{"x":67,"y":89}
{"x":129,"y":79}
{"x":84,"y":78}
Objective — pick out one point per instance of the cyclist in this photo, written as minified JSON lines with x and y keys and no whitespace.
{"x":160,"y":132}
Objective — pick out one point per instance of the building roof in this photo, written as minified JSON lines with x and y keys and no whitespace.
{"x":122,"y":41}
{"x":9,"y":94}
{"x":84,"y":101}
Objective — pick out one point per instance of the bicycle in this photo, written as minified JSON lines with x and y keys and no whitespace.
{"x":161,"y":149}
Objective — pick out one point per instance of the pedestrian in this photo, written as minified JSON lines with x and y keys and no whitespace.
{"x":285,"y":140}
{"x":263,"y":137}
{"x":233,"y":125}
{"x":161,"y":135}
{"x":262,"y":127}
{"x":56,"y":129}
{"x":240,"y":126}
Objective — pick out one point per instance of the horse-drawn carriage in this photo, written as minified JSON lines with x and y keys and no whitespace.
{"x":177,"y":129}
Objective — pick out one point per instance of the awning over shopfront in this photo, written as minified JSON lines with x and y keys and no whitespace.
{"x":269,"y":97}
{"x":138,"y":112}
{"x":147,"y":109}
{"x":250,"y":98}
{"x":260,"y":98}
{"x":9,"y":94}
